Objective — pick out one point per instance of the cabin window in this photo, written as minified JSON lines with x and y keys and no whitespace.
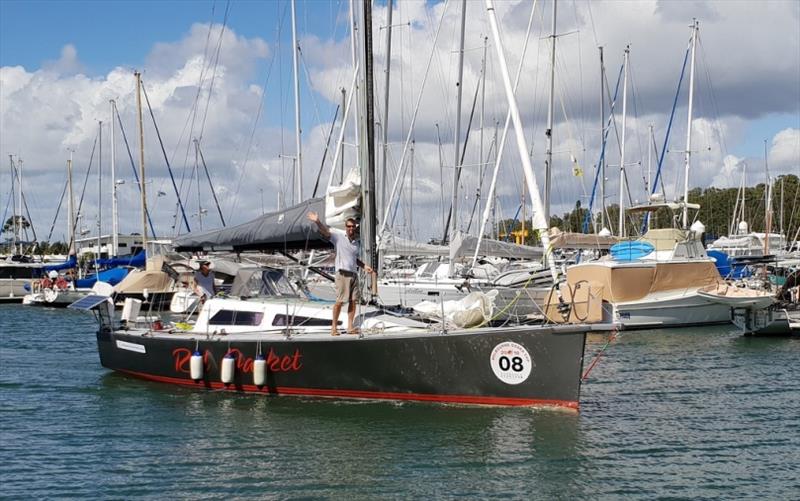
{"x":297,"y":320}
{"x":233,"y":317}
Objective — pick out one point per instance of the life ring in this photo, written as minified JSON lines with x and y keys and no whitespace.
{"x":50,"y":295}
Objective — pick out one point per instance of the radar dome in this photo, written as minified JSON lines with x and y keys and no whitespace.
{"x":743,"y":228}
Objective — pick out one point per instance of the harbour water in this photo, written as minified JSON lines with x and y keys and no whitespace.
{"x":694,"y":413}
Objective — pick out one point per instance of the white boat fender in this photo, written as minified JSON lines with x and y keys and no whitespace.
{"x":196,"y":366}
{"x":260,"y":370}
{"x":228,"y":368}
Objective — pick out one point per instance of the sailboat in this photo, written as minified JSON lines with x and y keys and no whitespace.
{"x":281,"y":345}
{"x":664,"y":278}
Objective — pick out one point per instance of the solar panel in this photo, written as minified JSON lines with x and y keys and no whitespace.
{"x":88,"y":302}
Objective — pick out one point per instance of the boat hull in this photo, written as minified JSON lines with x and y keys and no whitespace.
{"x":542,"y":367}
{"x":679,"y":311}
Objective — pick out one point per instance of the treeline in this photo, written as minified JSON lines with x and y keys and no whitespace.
{"x":38,"y":248}
{"x":716,"y":212}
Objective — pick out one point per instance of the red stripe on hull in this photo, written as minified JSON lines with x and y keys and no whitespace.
{"x":360,"y":394}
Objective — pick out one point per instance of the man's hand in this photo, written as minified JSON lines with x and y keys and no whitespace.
{"x":313,"y":217}
{"x":369,"y":269}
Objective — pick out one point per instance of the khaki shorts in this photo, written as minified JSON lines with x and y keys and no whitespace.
{"x":346,"y":287}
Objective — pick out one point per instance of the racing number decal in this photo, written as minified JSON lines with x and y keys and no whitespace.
{"x":511,"y":363}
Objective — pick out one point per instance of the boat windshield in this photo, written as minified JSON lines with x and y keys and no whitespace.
{"x":264,"y":282}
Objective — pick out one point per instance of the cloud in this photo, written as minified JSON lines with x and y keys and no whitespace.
{"x":67,"y":64}
{"x":748,"y":67}
{"x":784,"y":155}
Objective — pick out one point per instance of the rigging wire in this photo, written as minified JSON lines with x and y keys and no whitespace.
{"x":259,"y":110}
{"x":135,"y":173}
{"x":169,"y":169}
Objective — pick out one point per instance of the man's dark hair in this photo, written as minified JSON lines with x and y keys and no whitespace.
{"x":351,"y":220}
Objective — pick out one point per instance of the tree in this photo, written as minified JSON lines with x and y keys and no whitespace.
{"x":19,"y":221}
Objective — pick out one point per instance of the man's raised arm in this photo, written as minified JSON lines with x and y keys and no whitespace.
{"x":323,"y":230}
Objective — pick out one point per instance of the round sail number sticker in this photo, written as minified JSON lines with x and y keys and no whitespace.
{"x":511,"y":363}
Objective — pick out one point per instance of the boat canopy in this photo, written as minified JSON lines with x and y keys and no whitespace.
{"x":392,"y":244}
{"x":664,"y":239}
{"x":652,"y":207}
{"x":463,"y":245}
{"x":70,"y":263}
{"x":137,"y":260}
{"x":567,"y":240}
{"x":254,"y":281}
{"x":284,"y":230}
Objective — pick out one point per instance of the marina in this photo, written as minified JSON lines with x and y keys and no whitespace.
{"x":390,"y":249}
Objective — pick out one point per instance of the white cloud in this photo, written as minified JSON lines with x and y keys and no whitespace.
{"x":784,"y":155}
{"x":748,"y":67}
{"x":67,"y":64}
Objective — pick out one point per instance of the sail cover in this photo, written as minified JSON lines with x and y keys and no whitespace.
{"x":392,"y":244}
{"x":284,"y":230}
{"x":463,"y":245}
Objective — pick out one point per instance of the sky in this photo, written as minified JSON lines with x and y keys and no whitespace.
{"x":220,"y":73}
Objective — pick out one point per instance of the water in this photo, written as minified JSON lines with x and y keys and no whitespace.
{"x":693,"y":414}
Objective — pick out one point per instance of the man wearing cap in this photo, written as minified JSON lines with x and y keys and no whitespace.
{"x":204,"y":285}
{"x":347,"y":247}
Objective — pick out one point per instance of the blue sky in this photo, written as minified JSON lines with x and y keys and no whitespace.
{"x":122,"y":32}
{"x":750,"y":56}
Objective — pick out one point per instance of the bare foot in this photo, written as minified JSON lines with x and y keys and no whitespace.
{"x":334,"y":333}
{"x":352,"y":331}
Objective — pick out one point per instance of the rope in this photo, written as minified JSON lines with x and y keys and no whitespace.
{"x":596,"y":359}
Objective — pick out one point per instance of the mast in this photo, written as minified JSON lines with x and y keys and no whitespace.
{"x":695,"y":28}
{"x":141,"y":158}
{"x":99,"y":193}
{"x":602,"y":138}
{"x":70,"y":206}
{"x":649,"y":165}
{"x":298,"y":165}
{"x":385,"y":129}
{"x":538,"y":219}
{"x":768,"y":204}
{"x":114,"y":208}
{"x":549,"y":131}
{"x":368,"y":149}
{"x":344,"y":123}
{"x":622,"y":147}
{"x":483,"y":110}
{"x":14,"y":222}
{"x":354,"y":55}
{"x":781,"y":214}
{"x":457,"y":138}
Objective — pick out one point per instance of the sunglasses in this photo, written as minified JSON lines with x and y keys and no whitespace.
{"x":350,"y":226}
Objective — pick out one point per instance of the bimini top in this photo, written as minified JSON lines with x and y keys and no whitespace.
{"x":652,"y":207}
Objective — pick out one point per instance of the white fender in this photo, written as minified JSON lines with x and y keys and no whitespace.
{"x":196,"y":366}
{"x":228,"y":368}
{"x":260,"y":370}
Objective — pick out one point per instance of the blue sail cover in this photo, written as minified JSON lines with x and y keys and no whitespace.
{"x":112,"y":276}
{"x":72,"y":262}
{"x":138,"y":260}
{"x":726,"y":268}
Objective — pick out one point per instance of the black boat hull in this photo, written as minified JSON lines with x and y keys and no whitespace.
{"x":525,"y":366}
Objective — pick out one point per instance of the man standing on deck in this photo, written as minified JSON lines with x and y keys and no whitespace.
{"x":347,"y":247}
{"x":204,"y":285}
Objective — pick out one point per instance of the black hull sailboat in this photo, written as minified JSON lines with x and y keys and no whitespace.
{"x":518,"y":366}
